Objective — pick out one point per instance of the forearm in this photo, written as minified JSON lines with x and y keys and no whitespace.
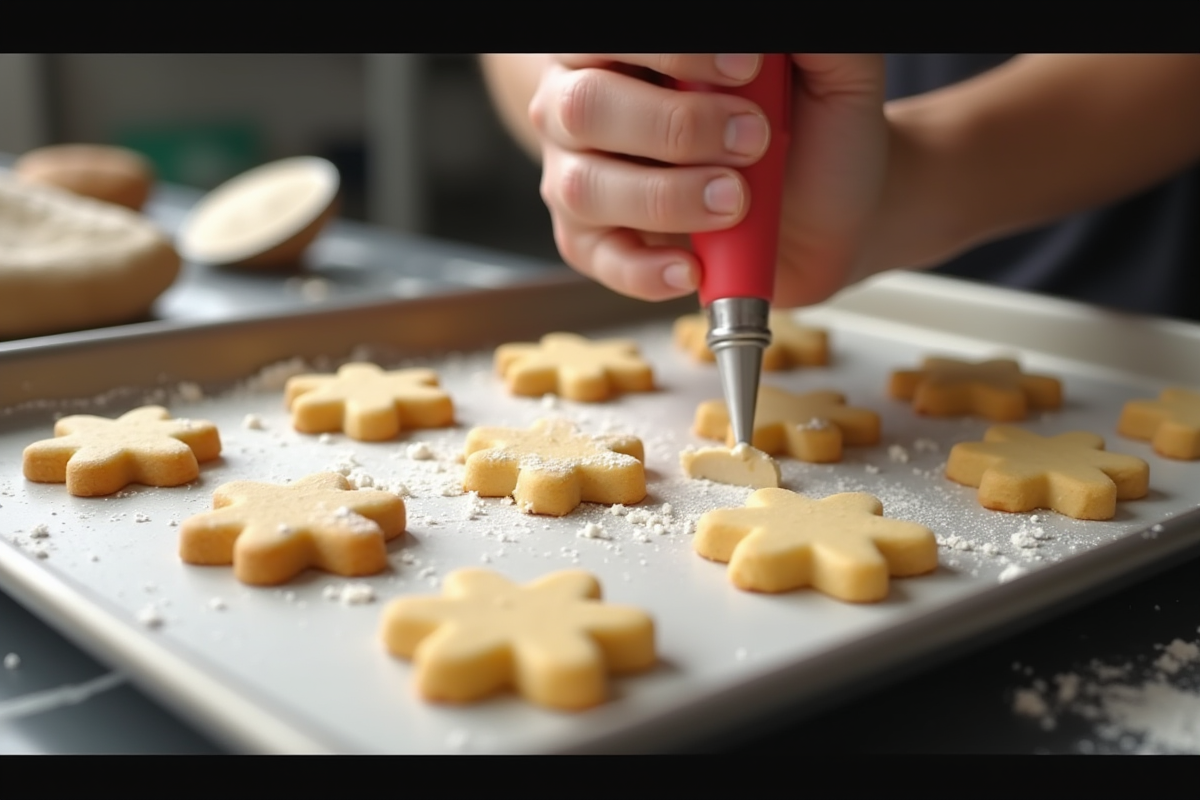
{"x":512,"y":81}
{"x":1034,"y":140}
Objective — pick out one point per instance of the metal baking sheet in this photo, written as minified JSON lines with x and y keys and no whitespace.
{"x":291,"y":669}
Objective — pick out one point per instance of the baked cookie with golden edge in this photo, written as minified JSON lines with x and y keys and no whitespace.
{"x":272,"y":533}
{"x":96,"y":456}
{"x":370,"y":405}
{"x":809,"y":427}
{"x":1171,"y":423}
{"x":551,"y":640}
{"x":840,"y":545}
{"x":792,"y":344}
{"x":996,"y":390}
{"x":551,"y":467}
{"x":574,"y":367}
{"x":1070,"y":473}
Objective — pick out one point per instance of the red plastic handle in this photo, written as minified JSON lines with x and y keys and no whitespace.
{"x":740,"y":261}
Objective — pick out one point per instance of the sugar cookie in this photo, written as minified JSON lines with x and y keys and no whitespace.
{"x":792,"y":344}
{"x":1171,"y":423}
{"x":1070,"y":473}
{"x":574,"y":367}
{"x":810,"y":427}
{"x":840,"y":545}
{"x":737,"y":466}
{"x":995,"y":389}
{"x":370,"y":405}
{"x":272,"y":533}
{"x":551,"y":468}
{"x":98,"y":456}
{"x":552,"y":640}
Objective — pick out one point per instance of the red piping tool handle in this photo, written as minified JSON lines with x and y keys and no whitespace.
{"x":740,"y":261}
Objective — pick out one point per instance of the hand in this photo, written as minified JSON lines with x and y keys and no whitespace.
{"x":630,"y":167}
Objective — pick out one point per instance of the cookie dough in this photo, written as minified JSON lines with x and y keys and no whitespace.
{"x":739,"y":466}
{"x":996,"y":390}
{"x":1070,"y":473}
{"x":552,"y":640}
{"x":840,"y":545}
{"x":97,"y":456}
{"x":272,"y":533}
{"x":809,"y":427}
{"x":574,"y":367}
{"x":551,"y":468}
{"x":1171,"y":423}
{"x":69,"y":262}
{"x":370,"y":405}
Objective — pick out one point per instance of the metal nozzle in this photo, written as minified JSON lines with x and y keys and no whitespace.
{"x":738,"y":332}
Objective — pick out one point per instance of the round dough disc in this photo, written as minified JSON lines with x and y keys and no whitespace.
{"x":113,"y":174}
{"x":69,"y":262}
{"x":264,"y":217}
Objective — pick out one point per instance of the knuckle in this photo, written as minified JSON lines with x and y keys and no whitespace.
{"x":659,"y":205}
{"x":577,"y":101}
{"x":679,"y":131}
{"x":573,"y":186}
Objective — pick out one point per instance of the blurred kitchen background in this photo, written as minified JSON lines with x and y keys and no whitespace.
{"x":418,"y":145}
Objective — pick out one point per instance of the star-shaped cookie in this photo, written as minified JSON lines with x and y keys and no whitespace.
{"x":809,"y":427}
{"x":97,"y":456}
{"x":370,"y":405}
{"x":995,"y":389}
{"x":574,"y":367}
{"x":271,"y":533}
{"x":1070,"y":473}
{"x":1171,"y":423}
{"x":792,"y":344}
{"x":840,"y":545}
{"x":551,"y":467}
{"x":552,"y":639}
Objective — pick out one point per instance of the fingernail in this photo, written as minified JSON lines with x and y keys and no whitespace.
{"x":679,"y":276}
{"x":723,"y":196}
{"x":737,"y":66}
{"x":746,"y":135}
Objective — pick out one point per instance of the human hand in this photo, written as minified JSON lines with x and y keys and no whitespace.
{"x":631,"y":167}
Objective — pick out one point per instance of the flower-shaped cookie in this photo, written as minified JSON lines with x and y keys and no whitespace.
{"x":552,"y":639}
{"x":1171,"y":423}
{"x":1070,"y":473}
{"x":792,"y":344}
{"x":840,"y":545}
{"x":574,"y":367}
{"x":551,"y":468}
{"x":367,"y":403}
{"x":809,"y":427}
{"x":272,"y":533}
{"x":996,"y":389}
{"x":98,"y":456}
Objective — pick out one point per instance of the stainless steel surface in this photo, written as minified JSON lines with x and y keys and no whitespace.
{"x":738,"y":333}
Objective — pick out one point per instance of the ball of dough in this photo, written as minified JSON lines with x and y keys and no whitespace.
{"x":112,"y":174}
{"x":69,"y":262}
{"x":265,"y":217}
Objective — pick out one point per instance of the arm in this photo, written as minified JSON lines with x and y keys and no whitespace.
{"x":1038,"y":138}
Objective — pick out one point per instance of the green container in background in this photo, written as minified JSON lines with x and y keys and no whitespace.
{"x":199,"y":155}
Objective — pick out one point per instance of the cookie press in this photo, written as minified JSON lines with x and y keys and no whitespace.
{"x":737,"y":279}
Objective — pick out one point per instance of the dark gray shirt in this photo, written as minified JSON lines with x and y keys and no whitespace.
{"x":1140,"y":254}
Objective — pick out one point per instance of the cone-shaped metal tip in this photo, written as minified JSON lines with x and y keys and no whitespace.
{"x":740,"y":366}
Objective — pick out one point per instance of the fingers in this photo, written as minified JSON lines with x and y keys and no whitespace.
{"x":597,"y":109}
{"x":644,"y":266}
{"x":599,"y":191}
{"x":723,"y":69}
